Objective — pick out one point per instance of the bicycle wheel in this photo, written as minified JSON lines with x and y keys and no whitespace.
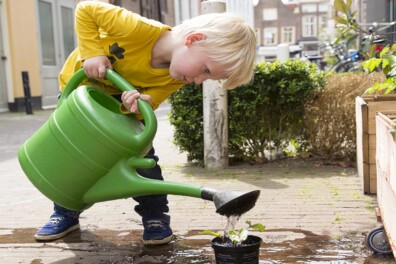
{"x":347,"y":66}
{"x":378,"y":241}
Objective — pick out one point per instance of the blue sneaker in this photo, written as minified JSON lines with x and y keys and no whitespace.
{"x":156,"y":229}
{"x":57,"y":227}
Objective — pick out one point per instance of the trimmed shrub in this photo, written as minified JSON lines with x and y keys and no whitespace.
{"x":264,"y":115}
{"x":186,"y":116}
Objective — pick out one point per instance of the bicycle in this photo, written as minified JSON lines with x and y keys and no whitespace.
{"x":344,"y":60}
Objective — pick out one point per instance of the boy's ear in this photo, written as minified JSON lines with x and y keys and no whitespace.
{"x":193,"y":37}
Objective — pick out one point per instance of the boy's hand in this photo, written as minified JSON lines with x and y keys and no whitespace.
{"x":95,"y":67}
{"x":129,"y":100}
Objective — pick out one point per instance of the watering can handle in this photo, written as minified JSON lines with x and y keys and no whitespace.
{"x":144,"y":107}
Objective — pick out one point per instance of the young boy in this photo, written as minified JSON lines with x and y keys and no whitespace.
{"x":157,"y":60}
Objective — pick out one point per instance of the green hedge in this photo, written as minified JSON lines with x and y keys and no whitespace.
{"x":264,"y":115}
{"x":186,"y":116}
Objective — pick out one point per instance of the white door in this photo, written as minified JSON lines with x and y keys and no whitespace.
{"x":3,"y":58}
{"x":57,"y":39}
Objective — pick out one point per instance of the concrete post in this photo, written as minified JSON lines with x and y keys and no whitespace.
{"x":282,"y":52}
{"x":215,"y":111}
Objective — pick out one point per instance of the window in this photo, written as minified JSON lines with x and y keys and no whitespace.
{"x":322,"y":22}
{"x":47,"y":33}
{"x":288,"y":35}
{"x":309,"y":8}
{"x":323,"y":7}
{"x":270,"y":14}
{"x":309,"y":26}
{"x":67,"y":15}
{"x":270,"y":36}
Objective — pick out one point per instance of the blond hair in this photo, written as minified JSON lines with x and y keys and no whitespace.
{"x":229,"y":41}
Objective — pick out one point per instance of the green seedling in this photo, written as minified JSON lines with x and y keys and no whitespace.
{"x":237,"y":236}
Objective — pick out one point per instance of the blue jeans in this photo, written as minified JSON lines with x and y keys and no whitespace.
{"x":152,"y":204}
{"x":147,"y":204}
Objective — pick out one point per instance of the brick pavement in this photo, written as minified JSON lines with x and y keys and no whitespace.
{"x":325,"y":201}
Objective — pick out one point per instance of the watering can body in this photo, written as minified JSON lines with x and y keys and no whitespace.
{"x":79,"y":144}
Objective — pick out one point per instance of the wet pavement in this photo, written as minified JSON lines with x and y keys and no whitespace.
{"x":109,"y":246}
{"x":312,"y":214}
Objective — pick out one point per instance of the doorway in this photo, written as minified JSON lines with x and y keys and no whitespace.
{"x":57,"y":40}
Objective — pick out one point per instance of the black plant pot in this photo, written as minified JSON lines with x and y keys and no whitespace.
{"x":247,"y":253}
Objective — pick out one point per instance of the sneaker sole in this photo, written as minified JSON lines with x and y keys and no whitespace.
{"x":157,"y":242}
{"x":56,"y":236}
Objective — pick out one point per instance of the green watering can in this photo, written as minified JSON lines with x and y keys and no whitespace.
{"x":88,"y":152}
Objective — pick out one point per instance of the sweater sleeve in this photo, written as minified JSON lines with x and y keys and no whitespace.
{"x":95,"y":20}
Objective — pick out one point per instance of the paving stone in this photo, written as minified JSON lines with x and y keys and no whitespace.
{"x":324,"y":200}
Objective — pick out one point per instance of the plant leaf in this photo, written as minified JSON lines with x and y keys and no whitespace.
{"x":351,"y":40}
{"x":372,"y":64}
{"x":212,"y":233}
{"x":348,"y":4}
{"x":258,"y":227}
{"x":232,"y":232}
{"x":393,"y":48}
{"x":340,"y":6}
{"x":243,"y":234}
{"x":384,"y":51}
{"x":341,"y":20}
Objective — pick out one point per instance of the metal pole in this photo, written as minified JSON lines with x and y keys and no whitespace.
{"x":215,"y":111}
{"x":26,"y":90}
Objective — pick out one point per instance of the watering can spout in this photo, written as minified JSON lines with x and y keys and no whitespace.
{"x":123,"y":181}
{"x":231,"y":202}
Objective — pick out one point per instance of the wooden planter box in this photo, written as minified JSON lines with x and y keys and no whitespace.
{"x":386,"y":174}
{"x":366,"y":108}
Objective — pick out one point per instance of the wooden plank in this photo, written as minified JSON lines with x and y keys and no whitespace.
{"x":373,"y":186}
{"x":371,"y":149}
{"x":392,"y":163}
{"x":372,"y":179}
{"x":386,"y":153}
{"x":374,"y":108}
{"x":388,"y":97}
{"x":366,"y":109}
{"x":387,"y":203}
{"x":386,"y":189}
{"x":373,"y":172}
{"x":365,"y":180}
{"x":361,"y":113}
{"x":362,"y":143}
{"x":365,"y":147}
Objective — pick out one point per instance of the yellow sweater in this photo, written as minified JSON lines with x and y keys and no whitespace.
{"x":127,"y":39}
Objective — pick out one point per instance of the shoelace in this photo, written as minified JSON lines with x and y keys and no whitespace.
{"x":55,"y":220}
{"x":155,"y":224}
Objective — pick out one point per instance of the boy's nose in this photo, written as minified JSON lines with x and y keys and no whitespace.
{"x":199,"y":79}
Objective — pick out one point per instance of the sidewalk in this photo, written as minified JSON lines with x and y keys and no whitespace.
{"x":310,"y":213}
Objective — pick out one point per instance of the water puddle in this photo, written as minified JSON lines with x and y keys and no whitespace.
{"x":110,"y":246}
